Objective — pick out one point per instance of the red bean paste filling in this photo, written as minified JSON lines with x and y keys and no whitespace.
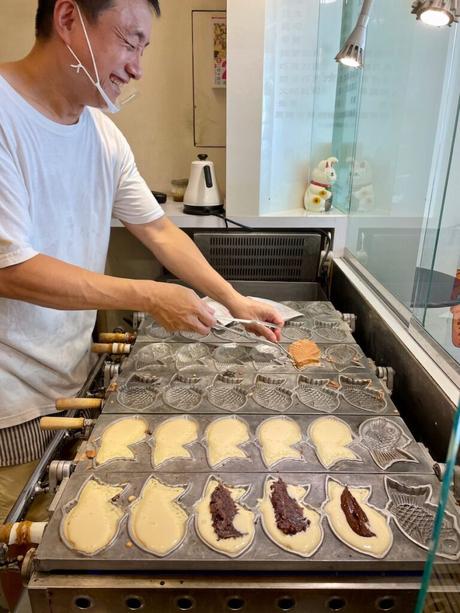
{"x":354,"y":514}
{"x":288,"y":513}
{"x":223,"y":510}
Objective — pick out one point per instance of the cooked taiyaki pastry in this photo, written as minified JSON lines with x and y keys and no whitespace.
{"x":171,"y":437}
{"x":415,"y":514}
{"x":304,"y":352}
{"x":287,"y":521}
{"x":117,"y":437}
{"x":157,"y":521}
{"x":223,"y":439}
{"x":385,"y":440}
{"x":330,"y":437}
{"x":221,"y":521}
{"x":93,"y":522}
{"x":277,"y":437}
{"x":357,"y":524}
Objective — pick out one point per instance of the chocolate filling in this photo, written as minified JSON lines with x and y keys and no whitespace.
{"x":356,"y":517}
{"x":288,"y":513}
{"x":223,"y":510}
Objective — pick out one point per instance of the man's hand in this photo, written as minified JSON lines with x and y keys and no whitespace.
{"x":179,"y":308}
{"x":247,"y":308}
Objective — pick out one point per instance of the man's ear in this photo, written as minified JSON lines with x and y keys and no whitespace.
{"x":65,"y":17}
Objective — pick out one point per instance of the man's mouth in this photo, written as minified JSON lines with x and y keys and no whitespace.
{"x":117,"y":83}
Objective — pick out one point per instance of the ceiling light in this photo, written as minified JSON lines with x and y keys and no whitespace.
{"x":436,"y":12}
{"x":352,"y":52}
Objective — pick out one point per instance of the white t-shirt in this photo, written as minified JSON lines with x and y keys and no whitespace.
{"x":59,"y":187}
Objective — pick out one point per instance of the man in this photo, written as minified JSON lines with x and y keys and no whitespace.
{"x":65,"y":170}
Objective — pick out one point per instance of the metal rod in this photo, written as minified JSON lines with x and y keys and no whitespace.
{"x":28,"y":493}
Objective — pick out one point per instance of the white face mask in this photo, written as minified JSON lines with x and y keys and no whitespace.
{"x":111,"y":107}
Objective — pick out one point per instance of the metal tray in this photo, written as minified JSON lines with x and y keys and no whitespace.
{"x":255,"y":357}
{"x":324,"y":391}
{"x":263,"y":554}
{"x":254,"y":462}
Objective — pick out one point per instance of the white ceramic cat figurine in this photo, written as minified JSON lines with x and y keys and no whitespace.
{"x":318,"y":191}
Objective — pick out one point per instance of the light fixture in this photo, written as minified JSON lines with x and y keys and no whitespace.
{"x":352,"y":52}
{"x":436,"y":12}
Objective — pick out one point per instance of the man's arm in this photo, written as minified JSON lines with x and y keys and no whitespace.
{"x":179,"y":254}
{"x":51,"y":283}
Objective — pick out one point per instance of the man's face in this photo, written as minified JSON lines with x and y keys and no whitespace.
{"x":118,"y":39}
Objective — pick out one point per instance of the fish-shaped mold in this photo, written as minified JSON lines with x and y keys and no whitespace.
{"x":295,"y":330}
{"x":226,"y":392}
{"x":155,"y":353}
{"x":193,"y":336}
{"x":269,"y":393}
{"x":222,"y":522}
{"x":155,"y":331}
{"x":223,"y":439}
{"x":171,"y":437}
{"x":232,"y":332}
{"x":183,"y":393}
{"x":343,"y":356}
{"x":331,"y":438}
{"x":229,"y":353}
{"x":314,"y":393}
{"x":287,"y":521}
{"x":330,"y":330}
{"x":359,"y":394}
{"x":386,"y":441}
{"x":414,"y":514}
{"x":117,"y":439}
{"x":320,"y":308}
{"x":191,"y":354}
{"x":91,"y":522}
{"x":136,"y":394}
{"x":264,"y":353}
{"x":157,"y":521}
{"x":354,"y":521}
{"x":279,"y":439}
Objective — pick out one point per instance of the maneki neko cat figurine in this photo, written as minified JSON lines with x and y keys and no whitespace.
{"x":318,"y":196}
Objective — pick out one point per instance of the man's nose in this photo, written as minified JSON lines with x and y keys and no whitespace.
{"x":133,"y":68}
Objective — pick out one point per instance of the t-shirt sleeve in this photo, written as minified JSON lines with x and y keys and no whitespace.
{"x":15,"y":221}
{"x":134,"y":202}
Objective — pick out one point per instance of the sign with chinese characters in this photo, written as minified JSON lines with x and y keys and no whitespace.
{"x":219,"y":25}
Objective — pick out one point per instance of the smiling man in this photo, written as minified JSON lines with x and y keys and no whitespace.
{"x":65,"y":171}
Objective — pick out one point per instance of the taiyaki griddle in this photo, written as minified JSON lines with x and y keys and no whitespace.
{"x":197,"y":389}
{"x":401,"y":453}
{"x":407,"y":552}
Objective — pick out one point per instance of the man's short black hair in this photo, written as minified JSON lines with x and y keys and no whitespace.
{"x":91,"y":9}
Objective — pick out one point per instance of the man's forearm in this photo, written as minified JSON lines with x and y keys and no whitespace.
{"x":51,"y":283}
{"x":179,"y":254}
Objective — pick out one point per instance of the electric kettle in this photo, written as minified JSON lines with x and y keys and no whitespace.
{"x":202,"y":195}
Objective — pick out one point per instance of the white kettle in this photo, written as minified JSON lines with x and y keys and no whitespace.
{"x":202,"y":195}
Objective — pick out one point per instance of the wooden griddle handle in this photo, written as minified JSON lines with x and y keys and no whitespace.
{"x":63,"y":404}
{"x":111,"y":348}
{"x":62,"y":423}
{"x":117,"y":337}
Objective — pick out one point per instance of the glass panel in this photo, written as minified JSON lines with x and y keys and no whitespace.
{"x":438,"y":276}
{"x":402,"y":90}
{"x":441,"y":579}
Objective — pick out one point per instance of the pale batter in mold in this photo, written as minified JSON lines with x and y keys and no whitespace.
{"x":170,"y":438}
{"x":276,"y":437}
{"x":330,"y":437}
{"x":157,"y":522}
{"x":376,"y":546}
{"x":223,"y":439}
{"x":116,"y":438}
{"x":243,"y":521}
{"x":93,"y":522}
{"x":304,"y":543}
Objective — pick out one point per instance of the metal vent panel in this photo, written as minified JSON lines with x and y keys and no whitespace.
{"x":262,"y":256}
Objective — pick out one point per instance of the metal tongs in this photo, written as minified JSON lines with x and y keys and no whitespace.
{"x":261,"y":339}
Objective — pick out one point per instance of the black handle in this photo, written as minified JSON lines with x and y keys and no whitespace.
{"x":207,"y":176}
